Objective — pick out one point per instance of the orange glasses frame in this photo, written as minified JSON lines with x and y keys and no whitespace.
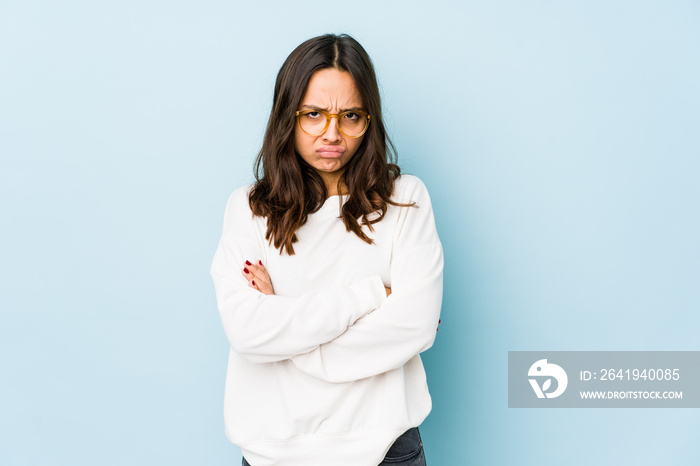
{"x":300,"y":113}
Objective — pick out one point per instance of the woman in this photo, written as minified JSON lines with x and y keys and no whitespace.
{"x":328,"y":277}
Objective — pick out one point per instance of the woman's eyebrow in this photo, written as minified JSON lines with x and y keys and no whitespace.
{"x":316,"y":107}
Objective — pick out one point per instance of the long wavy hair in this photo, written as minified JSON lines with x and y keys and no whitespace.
{"x":287,"y":189}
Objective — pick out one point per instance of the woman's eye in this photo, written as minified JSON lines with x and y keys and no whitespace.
{"x":313,"y":115}
{"x":352,"y":116}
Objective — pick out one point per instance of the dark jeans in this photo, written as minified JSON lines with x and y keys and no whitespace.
{"x":407,"y":450}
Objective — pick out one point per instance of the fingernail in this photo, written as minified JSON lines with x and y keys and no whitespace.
{"x":439,"y":321}
{"x":260,"y":262}
{"x":245,"y":269}
{"x":248,"y":263}
{"x":253,"y":282}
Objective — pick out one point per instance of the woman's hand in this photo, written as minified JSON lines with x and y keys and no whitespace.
{"x":257,"y":277}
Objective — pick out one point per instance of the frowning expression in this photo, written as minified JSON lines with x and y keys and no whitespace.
{"x":334,"y":91}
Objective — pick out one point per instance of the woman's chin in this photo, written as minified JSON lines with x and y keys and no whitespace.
{"x":328,"y":165}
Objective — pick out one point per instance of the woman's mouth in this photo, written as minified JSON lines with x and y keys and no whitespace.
{"x":330,"y":152}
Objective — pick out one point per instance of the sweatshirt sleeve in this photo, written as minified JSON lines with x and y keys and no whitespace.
{"x":267,"y":328}
{"x":405,"y":325}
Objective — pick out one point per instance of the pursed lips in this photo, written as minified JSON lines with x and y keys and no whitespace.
{"x":330,"y":151}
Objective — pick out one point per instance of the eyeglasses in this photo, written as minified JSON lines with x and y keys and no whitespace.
{"x":352,"y":123}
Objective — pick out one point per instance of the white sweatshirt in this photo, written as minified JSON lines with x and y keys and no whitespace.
{"x":326,"y":372}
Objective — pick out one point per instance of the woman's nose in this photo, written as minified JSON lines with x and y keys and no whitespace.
{"x":333,"y":131}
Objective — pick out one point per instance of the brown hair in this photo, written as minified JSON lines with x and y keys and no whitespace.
{"x":287,"y":189}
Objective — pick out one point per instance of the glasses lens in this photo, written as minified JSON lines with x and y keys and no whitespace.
{"x":353,"y":124}
{"x":312,"y":122}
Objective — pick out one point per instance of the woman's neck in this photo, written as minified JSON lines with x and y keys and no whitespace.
{"x":335,"y":192}
{"x":332,"y":187}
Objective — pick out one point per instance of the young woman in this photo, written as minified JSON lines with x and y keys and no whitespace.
{"x":328,"y":277}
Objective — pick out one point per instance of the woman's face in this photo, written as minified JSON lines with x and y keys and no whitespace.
{"x":334,"y":91}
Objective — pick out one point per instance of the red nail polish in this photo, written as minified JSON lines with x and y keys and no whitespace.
{"x":248,"y":263}
{"x":260,"y":262}
{"x":439,"y":321}
{"x":253,"y":282}
{"x":245,"y":269}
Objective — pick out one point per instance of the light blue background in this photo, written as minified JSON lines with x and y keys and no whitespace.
{"x":559,"y":142}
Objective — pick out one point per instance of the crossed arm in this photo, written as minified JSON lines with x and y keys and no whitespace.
{"x":259,"y":279}
{"x":384,"y":339}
